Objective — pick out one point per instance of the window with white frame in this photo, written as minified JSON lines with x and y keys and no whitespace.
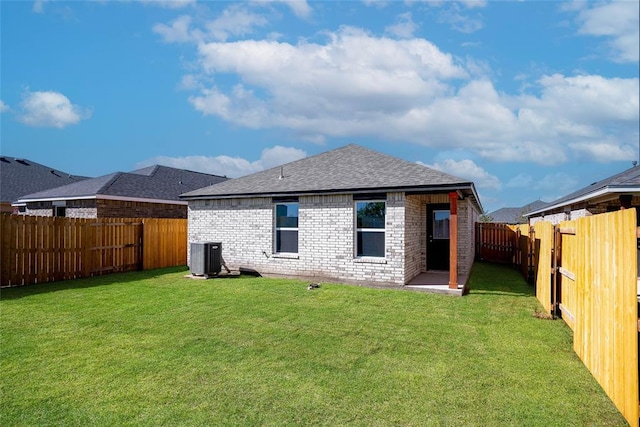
{"x":286,"y":227}
{"x":370,"y":228}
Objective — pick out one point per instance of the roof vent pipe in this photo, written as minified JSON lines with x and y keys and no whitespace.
{"x":281,"y":172}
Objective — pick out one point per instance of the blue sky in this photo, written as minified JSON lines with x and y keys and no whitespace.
{"x":528,"y":99}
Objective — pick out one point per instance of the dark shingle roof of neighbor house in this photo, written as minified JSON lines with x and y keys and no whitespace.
{"x":347,"y":169}
{"x":626,"y":181}
{"x":153,"y":182}
{"x":22,"y":176}
{"x":515,"y":215}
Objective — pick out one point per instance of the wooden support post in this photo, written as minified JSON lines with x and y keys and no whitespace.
{"x":453,"y":240}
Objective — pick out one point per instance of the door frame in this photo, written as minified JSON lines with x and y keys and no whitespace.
{"x":441,"y":265}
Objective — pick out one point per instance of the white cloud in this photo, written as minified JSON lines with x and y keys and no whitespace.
{"x":555,"y":185}
{"x":169,"y":4}
{"x":404,"y":26}
{"x":3,"y":107}
{"x":474,"y":3}
{"x":300,"y":8}
{"x":470,"y":4}
{"x":358,"y":85}
{"x":459,"y":22}
{"x":38,"y":6}
{"x":177,"y":32}
{"x":467,"y":169}
{"x":230,"y":166}
{"x":619,"y":22}
{"x":333,"y":89}
{"x":522,"y":180}
{"x":380,"y":4}
{"x":604,"y":151}
{"x":50,"y":109}
{"x":234,"y":21}
{"x":189,"y":82}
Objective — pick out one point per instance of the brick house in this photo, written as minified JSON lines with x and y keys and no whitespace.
{"x":610,"y":194}
{"x":23,"y":176}
{"x":151,"y":192}
{"x":350,"y":214}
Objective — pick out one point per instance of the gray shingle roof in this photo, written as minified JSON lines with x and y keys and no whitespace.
{"x":515,"y":215}
{"x":22,"y":176}
{"x":155,"y":182}
{"x":628,"y":180}
{"x":346,"y":169}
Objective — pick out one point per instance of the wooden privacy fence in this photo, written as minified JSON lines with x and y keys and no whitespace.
{"x":47,"y":249}
{"x":495,"y":242}
{"x":594,"y":289}
{"x":506,"y":244}
{"x":585,"y":271}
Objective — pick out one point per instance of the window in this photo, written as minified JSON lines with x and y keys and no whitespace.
{"x":286,"y":235}
{"x":370,"y":228}
{"x":441,"y":224}
{"x":59,"y":211}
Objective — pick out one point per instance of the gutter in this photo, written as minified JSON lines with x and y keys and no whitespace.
{"x":23,"y":202}
{"x":409,"y":190}
{"x":587,"y":196}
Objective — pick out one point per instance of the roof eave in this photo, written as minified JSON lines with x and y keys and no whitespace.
{"x":102,"y":197}
{"x":597,"y":193}
{"x":468,"y":186}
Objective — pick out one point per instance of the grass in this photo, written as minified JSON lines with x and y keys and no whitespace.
{"x":153,"y":348}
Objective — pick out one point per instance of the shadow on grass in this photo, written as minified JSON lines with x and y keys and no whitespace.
{"x":498,"y":279}
{"x":87,"y":282}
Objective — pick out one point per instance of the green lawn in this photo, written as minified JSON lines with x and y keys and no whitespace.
{"x":153,"y":348}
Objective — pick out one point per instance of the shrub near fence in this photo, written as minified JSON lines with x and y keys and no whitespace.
{"x":47,"y":249}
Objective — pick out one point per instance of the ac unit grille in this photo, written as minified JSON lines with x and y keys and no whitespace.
{"x":206,"y":258}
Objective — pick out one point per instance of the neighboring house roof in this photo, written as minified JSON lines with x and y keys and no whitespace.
{"x":351,"y":168}
{"x":154,"y":183}
{"x":22,"y":176}
{"x":627,"y":181}
{"x":515,"y":215}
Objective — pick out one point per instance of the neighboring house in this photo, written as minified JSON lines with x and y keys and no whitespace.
{"x":152,"y":192}
{"x":610,"y":194}
{"x":350,"y":214}
{"x":515,"y":215}
{"x":22,"y":176}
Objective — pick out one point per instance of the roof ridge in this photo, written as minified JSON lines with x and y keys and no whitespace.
{"x":344,"y":169}
{"x":192,"y":171}
{"x":159,"y":165}
{"x":108,"y":184}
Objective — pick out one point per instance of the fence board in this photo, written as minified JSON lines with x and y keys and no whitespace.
{"x":543,"y":243}
{"x":495,"y":242}
{"x":46,"y":249}
{"x":165,"y":243}
{"x":604,"y":298}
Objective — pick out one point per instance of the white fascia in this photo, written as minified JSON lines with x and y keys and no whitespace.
{"x":584,"y":197}
{"x":22,"y":202}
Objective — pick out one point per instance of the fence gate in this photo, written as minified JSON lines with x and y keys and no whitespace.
{"x":495,"y":242}
{"x":115,"y":246}
{"x":593,"y":287}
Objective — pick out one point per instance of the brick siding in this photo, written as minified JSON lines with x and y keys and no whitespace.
{"x":326,"y":236}
{"x":92,"y":208}
{"x":127,"y":209}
